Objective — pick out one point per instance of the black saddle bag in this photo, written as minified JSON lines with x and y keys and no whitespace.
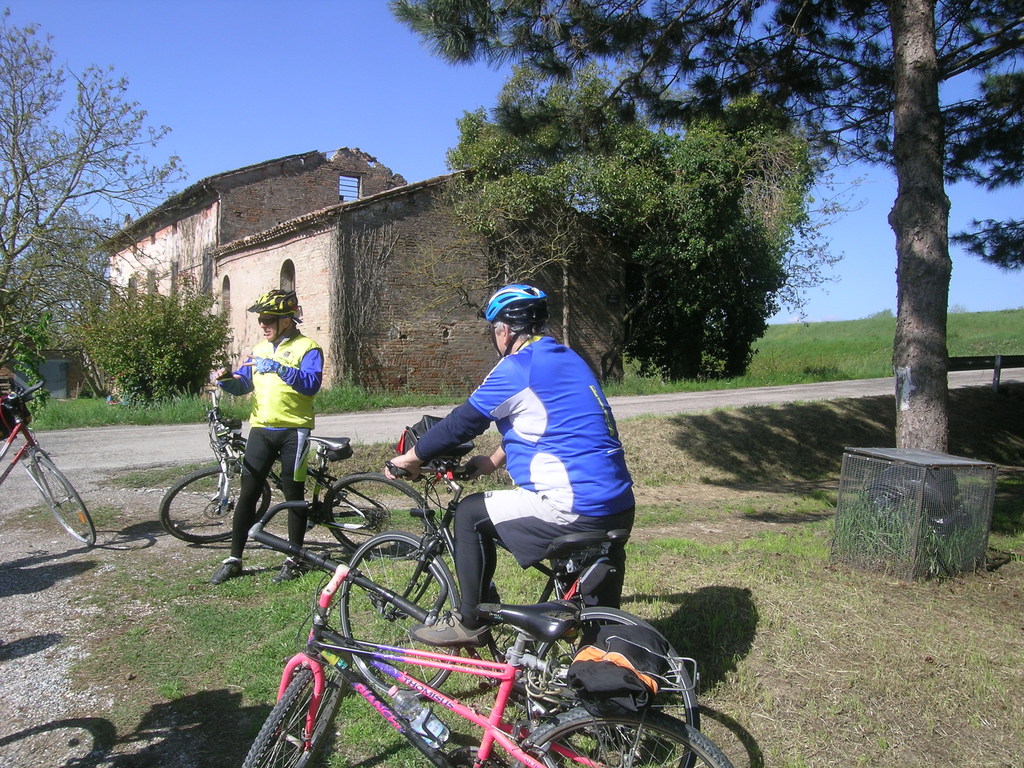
{"x":621,"y":669}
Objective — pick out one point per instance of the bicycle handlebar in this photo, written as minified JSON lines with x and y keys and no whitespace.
{"x":25,"y":394}
{"x":396,"y":470}
{"x":441,"y":466}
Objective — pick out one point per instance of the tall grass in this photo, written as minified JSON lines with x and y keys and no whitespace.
{"x":797,"y":353}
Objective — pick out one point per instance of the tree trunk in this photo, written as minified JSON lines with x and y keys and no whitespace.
{"x":920,"y":219}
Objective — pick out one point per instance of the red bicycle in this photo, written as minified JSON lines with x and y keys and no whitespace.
{"x":58,"y":492}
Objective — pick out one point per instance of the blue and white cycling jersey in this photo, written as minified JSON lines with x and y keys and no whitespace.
{"x":558,"y":433}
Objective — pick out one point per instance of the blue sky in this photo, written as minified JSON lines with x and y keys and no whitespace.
{"x":242,"y":81}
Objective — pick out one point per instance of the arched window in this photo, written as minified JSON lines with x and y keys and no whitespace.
{"x":225,"y":296}
{"x":288,"y":276}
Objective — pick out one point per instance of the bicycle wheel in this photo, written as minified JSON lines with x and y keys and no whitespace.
{"x":282,"y":741}
{"x":395,"y":561}
{"x":680,"y":696}
{"x":199,"y":508}
{"x":634,"y":740}
{"x":62,"y":498}
{"x":359,"y":506}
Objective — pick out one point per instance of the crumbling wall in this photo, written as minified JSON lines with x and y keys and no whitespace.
{"x":401,"y":282}
{"x":270,"y":194}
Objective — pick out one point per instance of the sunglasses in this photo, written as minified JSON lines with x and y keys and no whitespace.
{"x":267,"y":320}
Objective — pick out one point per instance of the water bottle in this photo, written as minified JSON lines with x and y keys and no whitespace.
{"x":423,"y":721}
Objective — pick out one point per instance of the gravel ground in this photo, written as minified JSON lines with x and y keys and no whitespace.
{"x":47,"y":627}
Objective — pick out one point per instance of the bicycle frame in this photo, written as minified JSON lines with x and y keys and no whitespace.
{"x":535,"y":628}
{"x":228,"y":446}
{"x":447,"y":472}
{"x":30,"y":443}
{"x":20,"y":428}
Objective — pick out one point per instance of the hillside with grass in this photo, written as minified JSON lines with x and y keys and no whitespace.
{"x":862,"y":349}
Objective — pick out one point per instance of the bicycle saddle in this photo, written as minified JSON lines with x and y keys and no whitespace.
{"x":338,"y":448}
{"x":543,"y":621}
{"x":574,"y":542}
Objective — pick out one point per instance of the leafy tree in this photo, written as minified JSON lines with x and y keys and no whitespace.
{"x":564,"y":180}
{"x":861,"y":76}
{"x":717,"y":269}
{"x":157,"y":347}
{"x":62,"y":156}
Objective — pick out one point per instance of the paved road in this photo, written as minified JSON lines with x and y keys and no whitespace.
{"x":85,"y":453}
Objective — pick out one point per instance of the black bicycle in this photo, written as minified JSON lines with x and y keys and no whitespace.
{"x":199,"y":507}
{"x":415,"y":568}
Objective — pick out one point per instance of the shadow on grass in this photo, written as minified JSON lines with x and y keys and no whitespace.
{"x":806,"y":441}
{"x":206,"y":730}
{"x":715,"y":626}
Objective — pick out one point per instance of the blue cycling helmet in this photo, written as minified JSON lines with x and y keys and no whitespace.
{"x":519,"y":305}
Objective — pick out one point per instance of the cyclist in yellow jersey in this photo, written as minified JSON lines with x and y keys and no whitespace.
{"x":284,"y":371}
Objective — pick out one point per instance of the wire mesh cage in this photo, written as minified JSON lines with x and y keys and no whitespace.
{"x":912,"y":514}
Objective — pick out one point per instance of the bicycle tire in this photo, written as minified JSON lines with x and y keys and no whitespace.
{"x":194,"y":509}
{"x":360,"y":506}
{"x":638,"y":740}
{"x":393,"y":560}
{"x":684,"y":699}
{"x":280,"y":742}
{"x":61,"y":497}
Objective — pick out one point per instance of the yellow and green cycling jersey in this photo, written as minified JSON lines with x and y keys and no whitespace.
{"x":282,"y":398}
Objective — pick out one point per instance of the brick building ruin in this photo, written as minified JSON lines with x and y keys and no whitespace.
{"x":388,"y":282}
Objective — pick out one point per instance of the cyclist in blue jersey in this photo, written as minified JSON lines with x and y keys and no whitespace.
{"x":559,"y":444}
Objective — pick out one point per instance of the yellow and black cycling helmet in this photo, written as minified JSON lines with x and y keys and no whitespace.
{"x":276,"y":303}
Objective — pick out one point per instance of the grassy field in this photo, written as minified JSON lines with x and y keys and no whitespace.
{"x":788,"y":354}
{"x":803,"y":662}
{"x":862,"y":349}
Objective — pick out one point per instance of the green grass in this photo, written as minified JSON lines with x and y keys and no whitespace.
{"x":795,"y":353}
{"x":803,"y":661}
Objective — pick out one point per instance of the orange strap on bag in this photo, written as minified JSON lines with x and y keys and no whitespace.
{"x":593,"y":653}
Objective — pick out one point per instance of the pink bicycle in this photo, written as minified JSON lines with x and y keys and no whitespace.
{"x":58,"y":493}
{"x":541,"y":737}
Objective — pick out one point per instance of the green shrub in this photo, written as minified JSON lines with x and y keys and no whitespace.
{"x":157,"y":347}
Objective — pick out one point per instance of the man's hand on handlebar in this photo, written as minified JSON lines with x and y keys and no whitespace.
{"x":406,"y":466}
